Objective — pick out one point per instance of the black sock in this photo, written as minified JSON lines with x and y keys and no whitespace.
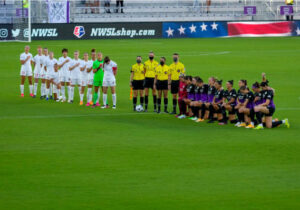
{"x":182,"y":107}
{"x":233,"y":121}
{"x":240,"y":116}
{"x":158,"y":103}
{"x":197,"y":111}
{"x":134,"y":102}
{"x":154,"y":101}
{"x":146,"y":102}
{"x":224,"y":114}
{"x":211,"y":112}
{"x":174,"y":105}
{"x":276,"y":123}
{"x":203,"y":109}
{"x":252,"y":114}
{"x":258,"y":117}
{"x":166,"y":103}
{"x":142,"y":101}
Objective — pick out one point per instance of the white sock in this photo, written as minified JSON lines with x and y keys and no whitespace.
{"x":47,"y":92}
{"x":51,"y":89}
{"x":43,"y":89}
{"x":104,"y":99}
{"x":22,"y":89}
{"x":30,"y":89}
{"x":89,"y":95}
{"x":99,"y":96}
{"x":72,"y":93}
{"x":69,"y":92}
{"x":62,"y":90}
{"x":35,"y":88}
{"x":81,"y":96}
{"x":58,"y":93}
{"x":114,"y":99}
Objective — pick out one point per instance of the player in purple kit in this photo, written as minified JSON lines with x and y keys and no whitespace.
{"x":210,"y":96}
{"x":202,"y":91}
{"x":217,"y":103}
{"x":241,"y":98}
{"x":196,"y":104}
{"x":230,"y":101}
{"x":247,"y":108}
{"x":267,"y":108}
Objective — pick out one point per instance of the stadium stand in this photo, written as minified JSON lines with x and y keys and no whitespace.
{"x":157,"y":10}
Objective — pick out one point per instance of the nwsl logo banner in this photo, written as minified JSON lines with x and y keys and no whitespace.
{"x":58,"y":11}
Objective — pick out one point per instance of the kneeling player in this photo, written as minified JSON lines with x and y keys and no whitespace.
{"x":247,"y":108}
{"x":109,"y":80}
{"x":137,"y":78}
{"x":267,"y":108}
{"x":218,"y":101}
{"x":230,"y":95}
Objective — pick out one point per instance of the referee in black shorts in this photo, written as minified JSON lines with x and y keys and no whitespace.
{"x":137,"y":78}
{"x":176,"y":69}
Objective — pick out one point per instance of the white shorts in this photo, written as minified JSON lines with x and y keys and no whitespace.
{"x":64,"y":78}
{"x":49,"y":76}
{"x":36,"y":73}
{"x":109,"y":82}
{"x":83,"y":82}
{"x":75,"y":81}
{"x":42,"y":74}
{"x":26,"y":72}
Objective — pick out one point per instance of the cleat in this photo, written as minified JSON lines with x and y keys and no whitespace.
{"x":250,"y":126}
{"x":91,"y":103}
{"x":199,"y":120}
{"x":173,"y":112}
{"x":47,"y":99}
{"x":182,"y":116}
{"x":87,"y":104}
{"x":259,"y":127}
{"x":102,"y":107}
{"x":194,"y":118}
{"x":287,"y":124}
{"x":158,"y":112}
{"x":211,"y":121}
{"x":222,"y":123}
{"x":22,"y":95}
{"x":51,"y":98}
{"x":242,"y":125}
{"x":34,"y":96}
{"x":146,"y":110}
{"x":31,"y":94}
{"x":114,"y":107}
{"x":81,"y":103}
{"x":237,"y":124}
{"x":107,"y":106}
{"x":42,"y":97}
{"x":190,"y":118}
{"x":97,"y":104}
{"x":155,"y":110}
{"x":166,"y":112}
{"x":94,"y":106}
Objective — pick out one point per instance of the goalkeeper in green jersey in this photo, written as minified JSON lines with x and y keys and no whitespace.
{"x":98,"y":77}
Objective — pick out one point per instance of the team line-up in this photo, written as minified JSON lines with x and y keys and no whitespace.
{"x":56,"y":74}
{"x":196,"y":100}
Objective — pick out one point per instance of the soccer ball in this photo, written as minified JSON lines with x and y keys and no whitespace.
{"x":139,"y":108}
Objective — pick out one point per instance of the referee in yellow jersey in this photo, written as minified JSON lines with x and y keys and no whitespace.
{"x":176,"y":69}
{"x":137,"y":78}
{"x":150,"y":66}
{"x":162,"y":76}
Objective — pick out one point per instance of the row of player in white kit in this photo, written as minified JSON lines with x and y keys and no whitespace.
{"x":76,"y":71}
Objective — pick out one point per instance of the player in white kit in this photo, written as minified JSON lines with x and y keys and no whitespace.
{"x":109,"y":80}
{"x":90,"y":80}
{"x":86,"y":65}
{"x":74,"y":68}
{"x":26,"y":70}
{"x":37,"y":69}
{"x":50,"y":65}
{"x":64,"y":73}
{"x":43,"y":73}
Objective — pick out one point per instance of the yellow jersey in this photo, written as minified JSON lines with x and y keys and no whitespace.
{"x":162,"y":72}
{"x":138,"y":71}
{"x":176,"y":69}
{"x":150,"y":68}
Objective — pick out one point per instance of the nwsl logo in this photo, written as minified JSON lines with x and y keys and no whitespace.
{"x":79,"y":31}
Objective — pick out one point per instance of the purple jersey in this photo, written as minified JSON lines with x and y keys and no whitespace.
{"x":191,"y":92}
{"x":250,"y":98}
{"x":197,"y":93}
{"x":203,"y":93}
{"x":258,"y":97}
{"x":211,"y":93}
{"x":229,"y":95}
{"x":219,"y":94}
{"x":241,"y":97}
{"x":268,"y":94}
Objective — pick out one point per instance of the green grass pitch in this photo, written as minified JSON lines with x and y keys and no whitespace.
{"x":63,"y":156}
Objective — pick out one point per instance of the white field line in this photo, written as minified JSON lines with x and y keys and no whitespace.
{"x":102,"y":115}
